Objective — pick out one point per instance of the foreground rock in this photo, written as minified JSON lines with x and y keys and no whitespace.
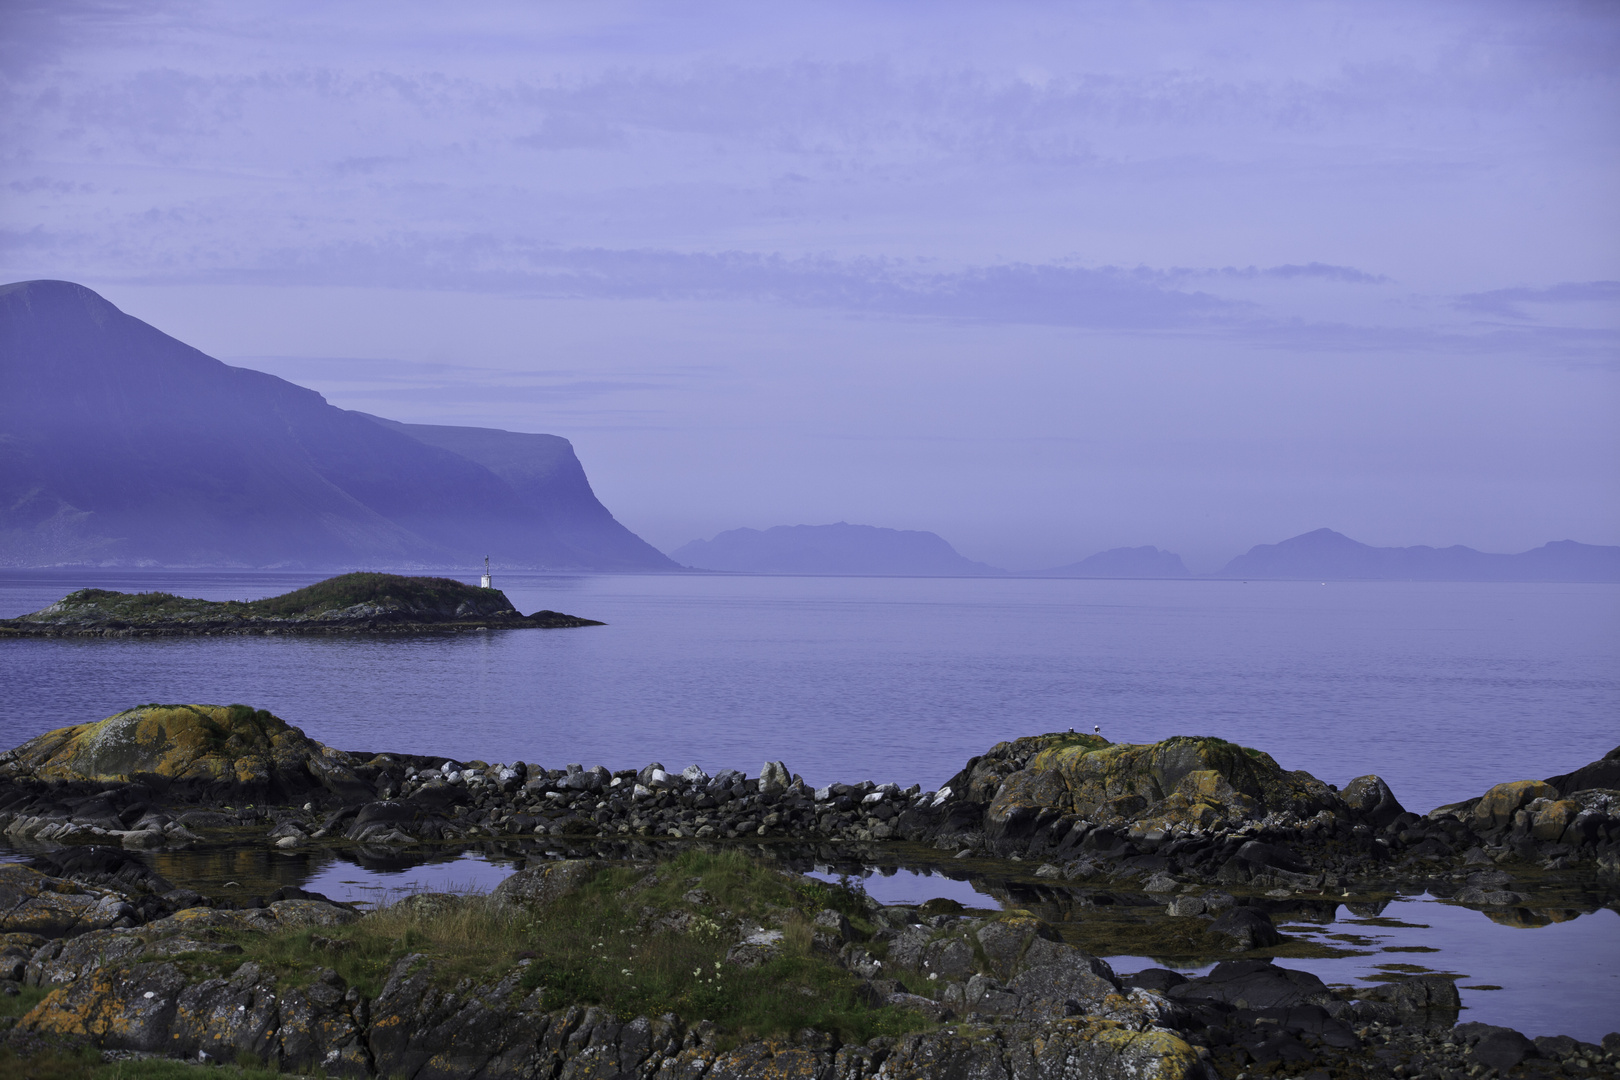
{"x":1034,"y":1007}
{"x":348,"y":604}
{"x":1009,"y":1000}
{"x":1170,"y":816}
{"x":184,"y":751}
{"x":1206,"y":810}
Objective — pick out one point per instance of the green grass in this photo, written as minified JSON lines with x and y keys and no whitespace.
{"x":629,"y":940}
{"x":333,"y":594}
{"x":87,"y":1065}
{"x":347,"y":590}
{"x":19,"y":1003}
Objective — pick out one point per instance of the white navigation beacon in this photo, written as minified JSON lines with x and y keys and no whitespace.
{"x":486,"y":582}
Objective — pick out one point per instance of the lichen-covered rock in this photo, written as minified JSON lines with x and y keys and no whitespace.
{"x":1549,"y":821}
{"x":1181,"y":782}
{"x":227,"y":747}
{"x":35,"y":903}
{"x":1497,"y":806}
{"x":541,"y":885}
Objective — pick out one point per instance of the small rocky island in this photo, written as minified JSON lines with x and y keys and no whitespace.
{"x":663,"y":926}
{"x":360,"y":603}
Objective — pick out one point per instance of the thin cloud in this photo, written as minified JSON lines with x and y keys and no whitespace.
{"x":1507,"y":303}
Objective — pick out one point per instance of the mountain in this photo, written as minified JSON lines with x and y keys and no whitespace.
{"x":1325,"y":554}
{"x":831,"y":549}
{"x":1126,"y":562}
{"x":122,"y":445}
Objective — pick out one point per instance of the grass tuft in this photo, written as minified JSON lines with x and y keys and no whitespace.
{"x":634,"y":939}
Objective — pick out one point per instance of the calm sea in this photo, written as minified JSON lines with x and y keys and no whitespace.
{"x":1442,"y":689}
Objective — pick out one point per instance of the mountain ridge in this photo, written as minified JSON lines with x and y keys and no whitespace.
{"x":1323,"y":553}
{"x":121,"y":445}
{"x":839,"y":548}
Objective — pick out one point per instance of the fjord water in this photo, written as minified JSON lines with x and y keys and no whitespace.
{"x":1441,"y":688}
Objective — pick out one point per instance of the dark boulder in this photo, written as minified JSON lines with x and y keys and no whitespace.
{"x":1603,"y":773}
{"x":1248,"y":927}
{"x":1253,"y":984}
{"x":1372,"y":801}
{"x":1159,"y":980}
{"x":1270,"y":856}
{"x":1429,"y":1000}
{"x":1498,"y":1048}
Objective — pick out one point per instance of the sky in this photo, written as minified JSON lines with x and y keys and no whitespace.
{"x":1044,"y":278}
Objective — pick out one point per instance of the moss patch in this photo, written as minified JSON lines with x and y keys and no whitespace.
{"x":634,"y":939}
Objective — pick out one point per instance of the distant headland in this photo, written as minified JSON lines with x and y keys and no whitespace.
{"x":121,"y":446}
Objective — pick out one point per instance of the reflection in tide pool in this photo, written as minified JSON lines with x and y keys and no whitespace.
{"x":350,"y":884}
{"x":902,"y":886}
{"x":1559,"y":979}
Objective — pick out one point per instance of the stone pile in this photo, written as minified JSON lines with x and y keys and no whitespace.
{"x":1195,"y":810}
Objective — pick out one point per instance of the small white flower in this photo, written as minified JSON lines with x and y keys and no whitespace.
{"x":624,"y":971}
{"x":933,"y":975}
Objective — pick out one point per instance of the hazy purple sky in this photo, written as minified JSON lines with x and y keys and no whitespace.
{"x":1043,"y":278}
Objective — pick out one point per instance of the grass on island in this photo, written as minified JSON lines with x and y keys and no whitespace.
{"x":88,"y":1065}
{"x":347,"y":590}
{"x":333,"y":594}
{"x":639,"y":941}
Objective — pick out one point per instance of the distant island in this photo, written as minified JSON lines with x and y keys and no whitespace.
{"x":1322,"y":554}
{"x":121,"y":446}
{"x":1332,"y":556}
{"x":841,"y":548}
{"x":348,"y":604}
{"x":1125,"y":562}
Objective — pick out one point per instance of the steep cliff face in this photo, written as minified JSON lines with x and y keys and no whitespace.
{"x":120,"y":444}
{"x":548,"y":481}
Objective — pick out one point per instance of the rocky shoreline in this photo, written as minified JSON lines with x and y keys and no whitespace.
{"x":1217,"y":836}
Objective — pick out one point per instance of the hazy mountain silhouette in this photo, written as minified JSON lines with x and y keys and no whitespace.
{"x":1126,"y":562}
{"x":1327,"y":555}
{"x":120,"y":444}
{"x":831,"y":549}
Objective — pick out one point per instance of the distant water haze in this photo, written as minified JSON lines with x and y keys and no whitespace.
{"x":843,"y":548}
